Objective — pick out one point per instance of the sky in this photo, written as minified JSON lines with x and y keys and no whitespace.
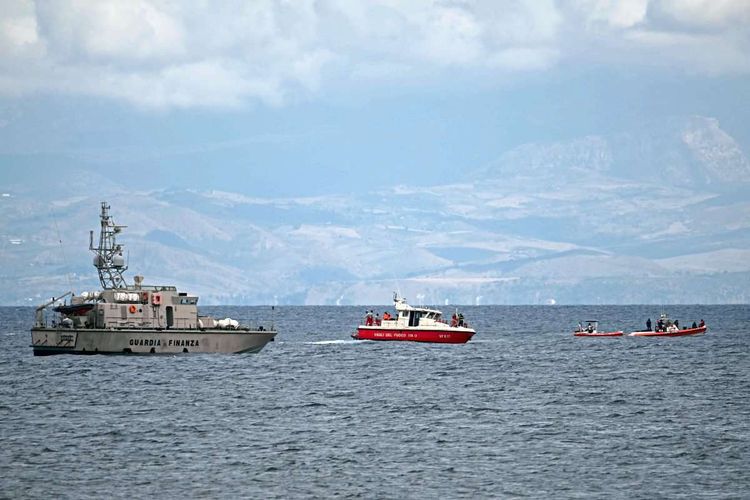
{"x":313,"y":97}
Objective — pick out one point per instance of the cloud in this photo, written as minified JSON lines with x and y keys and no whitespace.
{"x":684,"y":14}
{"x":711,"y":14}
{"x":164,"y":54}
{"x":132,"y":31}
{"x":427,"y":39}
{"x":617,"y":14}
{"x":708,"y":37}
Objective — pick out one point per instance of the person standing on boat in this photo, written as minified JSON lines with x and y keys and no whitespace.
{"x":648,"y":324}
{"x":377,"y":319}
{"x":694,"y":325}
{"x":677,"y":324}
{"x":386,"y":316}
{"x":701,"y":324}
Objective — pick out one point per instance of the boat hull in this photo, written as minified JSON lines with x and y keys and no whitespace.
{"x":48,"y":341}
{"x":598,"y":334}
{"x":679,"y":333}
{"x":440,"y":336}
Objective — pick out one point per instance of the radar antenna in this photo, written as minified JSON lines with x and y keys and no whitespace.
{"x":108,"y":258}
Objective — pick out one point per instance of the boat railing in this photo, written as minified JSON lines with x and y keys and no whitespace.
{"x":41,"y":320}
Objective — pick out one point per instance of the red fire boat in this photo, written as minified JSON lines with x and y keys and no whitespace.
{"x":416,"y":324}
{"x":665,"y":327}
{"x":671,"y":332}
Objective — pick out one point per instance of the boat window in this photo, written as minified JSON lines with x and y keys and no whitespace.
{"x":414,"y":318}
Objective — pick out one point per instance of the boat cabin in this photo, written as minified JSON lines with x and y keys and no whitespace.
{"x":414,"y":317}
{"x":159,"y":307}
{"x":592,"y":326}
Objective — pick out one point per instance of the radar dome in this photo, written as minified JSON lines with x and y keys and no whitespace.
{"x":118,"y":261}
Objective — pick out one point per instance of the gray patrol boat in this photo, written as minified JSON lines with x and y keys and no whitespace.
{"x":134,"y":319}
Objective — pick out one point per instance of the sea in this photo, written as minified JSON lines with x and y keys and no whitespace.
{"x":524,"y":410}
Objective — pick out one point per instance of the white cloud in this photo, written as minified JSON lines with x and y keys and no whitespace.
{"x":165,"y":53}
{"x":708,"y":37}
{"x":716,"y":14}
{"x":615,"y":13}
{"x":18,"y":29}
{"x":451,"y":36}
{"x":712,"y":14}
{"x":118,"y":31}
{"x":422,"y":38}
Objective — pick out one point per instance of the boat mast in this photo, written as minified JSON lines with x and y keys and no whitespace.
{"x":108,"y":258}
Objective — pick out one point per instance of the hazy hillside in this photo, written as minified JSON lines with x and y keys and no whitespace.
{"x":656,"y":215}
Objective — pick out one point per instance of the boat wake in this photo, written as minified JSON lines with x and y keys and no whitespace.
{"x":339,"y":341}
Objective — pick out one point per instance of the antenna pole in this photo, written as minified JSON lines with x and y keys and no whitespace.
{"x":108,"y":258}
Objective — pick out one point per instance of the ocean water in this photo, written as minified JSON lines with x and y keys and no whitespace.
{"x":523,"y":410}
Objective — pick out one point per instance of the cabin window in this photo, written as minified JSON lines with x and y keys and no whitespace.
{"x":414,"y":318}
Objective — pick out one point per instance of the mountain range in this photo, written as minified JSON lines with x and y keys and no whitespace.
{"x":655,"y":216}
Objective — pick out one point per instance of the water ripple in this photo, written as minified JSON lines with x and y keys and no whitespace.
{"x":523,"y":410}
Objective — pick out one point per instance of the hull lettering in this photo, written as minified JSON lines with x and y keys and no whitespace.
{"x":183,"y":343}
{"x":145,"y":342}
